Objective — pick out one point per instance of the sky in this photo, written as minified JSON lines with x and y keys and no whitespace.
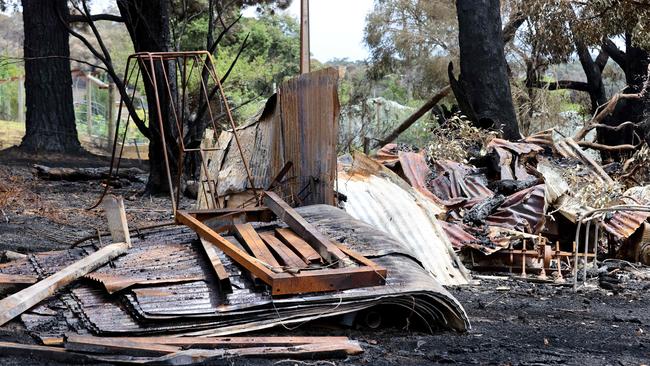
{"x":336,"y":29}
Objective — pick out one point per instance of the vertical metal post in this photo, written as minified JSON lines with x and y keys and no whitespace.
{"x":304,"y":36}
{"x":21,"y":100}
{"x":110,"y":131}
{"x":89,"y":106}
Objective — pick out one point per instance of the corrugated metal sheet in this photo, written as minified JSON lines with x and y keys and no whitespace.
{"x":194,"y":308}
{"x":522,"y":211}
{"x":299,"y":124}
{"x":376,"y":196}
{"x":456,"y":180}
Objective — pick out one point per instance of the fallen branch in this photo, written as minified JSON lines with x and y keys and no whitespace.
{"x":410,"y":120}
{"x":597,"y":146}
{"x":81,"y":174}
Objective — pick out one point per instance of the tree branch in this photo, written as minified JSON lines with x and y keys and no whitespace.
{"x":615,"y":53}
{"x":414,"y":117}
{"x":73,"y":18}
{"x":560,"y":84}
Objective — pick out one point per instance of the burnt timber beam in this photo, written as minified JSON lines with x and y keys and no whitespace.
{"x":323,"y":245}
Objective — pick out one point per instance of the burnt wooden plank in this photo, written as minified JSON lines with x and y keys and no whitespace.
{"x":219,"y":270}
{"x":326,"y":280}
{"x":287,"y":255}
{"x":299,"y":246}
{"x":247,"y":234}
{"x":16,"y":304}
{"x":231,"y":342}
{"x":240,"y":256}
{"x":323,"y":245}
{"x":90,"y":344}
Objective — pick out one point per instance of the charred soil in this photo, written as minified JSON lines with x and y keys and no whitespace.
{"x":513,"y":321}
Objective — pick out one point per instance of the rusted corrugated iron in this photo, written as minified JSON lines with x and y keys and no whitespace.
{"x":522,"y":211}
{"x":456,"y":180}
{"x":199,"y":308}
{"x":300,"y":125}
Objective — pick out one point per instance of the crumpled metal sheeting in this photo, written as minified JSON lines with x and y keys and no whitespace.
{"x":456,"y":180}
{"x":457,"y":235}
{"x":151,"y":264}
{"x":417,"y":172}
{"x":522,"y":211}
{"x":622,"y":224}
{"x":408,"y":285}
{"x":374,"y":198}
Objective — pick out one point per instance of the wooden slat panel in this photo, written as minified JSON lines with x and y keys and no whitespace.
{"x":298,"y":224}
{"x":299,"y":246}
{"x":287,"y":255}
{"x":231,"y":250}
{"x":246,"y":233}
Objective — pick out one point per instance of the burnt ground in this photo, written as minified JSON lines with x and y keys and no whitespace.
{"x":513,"y":322}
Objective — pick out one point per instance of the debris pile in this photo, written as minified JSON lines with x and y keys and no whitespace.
{"x":539,"y":206}
{"x":243,"y":259}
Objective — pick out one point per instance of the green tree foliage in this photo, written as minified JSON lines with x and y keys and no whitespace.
{"x":270,"y":56}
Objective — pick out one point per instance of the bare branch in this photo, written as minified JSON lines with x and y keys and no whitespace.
{"x":74,"y":18}
{"x":560,"y":84}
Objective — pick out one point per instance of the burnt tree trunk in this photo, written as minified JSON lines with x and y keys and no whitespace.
{"x":483,"y":68}
{"x":148,"y":24}
{"x":50,"y":121}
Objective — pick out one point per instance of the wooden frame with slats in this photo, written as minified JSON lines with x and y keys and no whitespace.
{"x":338,"y":273}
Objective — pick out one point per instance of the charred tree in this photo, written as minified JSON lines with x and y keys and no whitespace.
{"x":483,"y":68}
{"x":50,"y":121}
{"x":148,"y":24}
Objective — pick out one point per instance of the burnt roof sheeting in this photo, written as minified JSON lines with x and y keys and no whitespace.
{"x":197,"y":308}
{"x":522,"y":211}
{"x":379,"y":197}
{"x":300,"y":125}
{"x":456,"y":180}
{"x":152,"y":264}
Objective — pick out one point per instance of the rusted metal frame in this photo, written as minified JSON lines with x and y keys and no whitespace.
{"x":588,"y":217}
{"x":150,"y":57}
{"x":179,"y":126}
{"x":232,"y":123}
{"x":297,"y":223}
{"x":127,"y":76}
{"x":209,"y":179}
{"x":128,"y":119}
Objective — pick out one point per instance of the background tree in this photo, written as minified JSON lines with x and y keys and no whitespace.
{"x":483,"y":68}
{"x":50,"y":120}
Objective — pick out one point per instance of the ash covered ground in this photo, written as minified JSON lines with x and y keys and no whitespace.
{"x":513,"y":321}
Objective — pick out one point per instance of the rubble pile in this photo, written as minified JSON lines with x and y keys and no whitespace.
{"x":539,"y":206}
